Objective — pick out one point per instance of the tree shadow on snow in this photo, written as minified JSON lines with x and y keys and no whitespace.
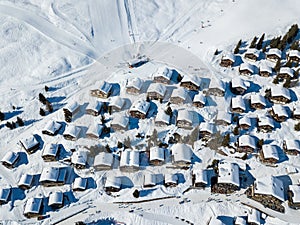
{"x":9,"y":115}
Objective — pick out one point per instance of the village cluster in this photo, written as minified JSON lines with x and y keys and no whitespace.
{"x":180,"y":107}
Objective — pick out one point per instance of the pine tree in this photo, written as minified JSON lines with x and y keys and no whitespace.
{"x":296,"y":74}
{"x":226,"y":140}
{"x":9,"y":125}
{"x":287,"y":83}
{"x":260,"y":143}
{"x":294,"y":45}
{"x":216,"y":52}
{"x":282,"y":43}
{"x":20,"y":122}
{"x":237,"y":48}
{"x":253,"y":42}
{"x":275,"y":81}
{"x":194,"y":136}
{"x":127,"y":143}
{"x":42,"y":112}
{"x":46,"y":88}
{"x":260,"y":41}
{"x":236,"y":131}
{"x":289,"y":64}
{"x":2,"y":116}
{"x":42,"y":98}
{"x":277,"y":66}
{"x":297,"y":127}
{"x":264,"y":48}
{"x":275,"y":42}
{"x":136,"y":193}
{"x":49,"y":106}
{"x":292,"y":33}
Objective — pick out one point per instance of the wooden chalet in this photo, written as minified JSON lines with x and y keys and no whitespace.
{"x":245,"y":123}
{"x":257,"y":101}
{"x":252,"y":54}
{"x":94,"y":131}
{"x":104,"y":90}
{"x":293,"y":55}
{"x":178,"y":96}
{"x":130,"y":160}
{"x":79,"y":159}
{"x":79,"y":184}
{"x":181,"y":155}
{"x":199,"y":100}
{"x":227,"y":60}
{"x":50,"y":152}
{"x":134,"y":86}
{"x":296,"y":112}
{"x":52,"y":128}
{"x":294,"y":196}
{"x":279,"y":113}
{"x":112,"y":184}
{"x":246,"y":143}
{"x":149,"y":180}
{"x":228,"y":180}
{"x":185,"y":119}
{"x":10,"y":159}
{"x":25,"y":181}
{"x":171,"y":180}
{"x":162,"y":118}
{"x":285,"y":73}
{"x":291,"y":147}
{"x":94,"y":108}
{"x":116,"y":104}
{"x":72,"y":132}
{"x":139,"y":109}
{"x":280,"y":95}
{"x":246,"y":69}
{"x":238,"y":105}
{"x":223,"y":118}
{"x":274,"y":54}
{"x":4,"y":195}
{"x":157,"y":156}
{"x":163,"y":75}
{"x":56,"y":200}
{"x":191,"y":82}
{"x":156,"y":91}
{"x":264,"y":69}
{"x":216,"y":88}
{"x":137,"y":62}
{"x":269,"y":191}
{"x":103,"y":161}
{"x":33,"y":207}
{"x":70,"y":110}
{"x":206,"y":130}
{"x":53,"y":176}
{"x":238,"y":86}
{"x":265,"y":124}
{"x":200,"y":178}
{"x":30,"y":144}
{"x":120,"y":123}
{"x":269,"y":154}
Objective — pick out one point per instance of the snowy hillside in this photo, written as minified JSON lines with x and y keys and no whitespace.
{"x":65,"y":50}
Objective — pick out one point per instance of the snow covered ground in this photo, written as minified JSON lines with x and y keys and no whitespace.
{"x":72,"y":45}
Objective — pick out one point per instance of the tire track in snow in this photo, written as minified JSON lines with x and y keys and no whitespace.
{"x":50,"y":30}
{"x":131,"y":21}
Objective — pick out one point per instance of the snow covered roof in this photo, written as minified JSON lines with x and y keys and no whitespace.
{"x":224,"y":115}
{"x":208,"y":127}
{"x":280,"y":91}
{"x":95,"y":129}
{"x":72,"y":106}
{"x":157,"y":88}
{"x":247,"y":140}
{"x":217,"y":83}
{"x":264,"y":67}
{"x":238,"y":102}
{"x":245,"y":120}
{"x":270,"y":185}
{"x":215,"y":221}
{"x":117,"y":102}
{"x":79,"y":158}
{"x":120,"y":120}
{"x":200,"y":98}
{"x":237,"y":82}
{"x":130,"y":157}
{"x":52,"y":126}
{"x":79,"y":183}
{"x":4,"y":194}
{"x":240,"y":220}
{"x":228,"y":173}
{"x":229,"y":56}
{"x":181,"y":152}
{"x":171,"y":178}
{"x":162,"y":116}
{"x":29,"y":142}
{"x":149,"y":179}
{"x":50,"y":150}
{"x":253,"y":51}
{"x":266,"y":121}
{"x":157,"y":153}
{"x":254,"y":216}
{"x":257,"y":99}
{"x":95,"y":105}
{"x":50,"y":174}
{"x":72,"y":130}
{"x":270,"y":152}
{"x":33,"y":205}
{"x":247,"y":66}
{"x":294,"y":53}
{"x":163,"y":72}
{"x":10,"y":157}
{"x":296,"y":193}
{"x":26,"y":180}
{"x":105,"y":87}
{"x":113,"y":181}
{"x":193,"y":79}
{"x":200,"y":176}
{"x":280,"y":110}
{"x":292,"y":144}
{"x":274,"y":51}
{"x":136,"y":83}
{"x":104,"y":158}
{"x":56,"y":198}
{"x":185,"y":115}
{"x":141,"y":106}
{"x":179,"y":93}
{"x":286,"y":70}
